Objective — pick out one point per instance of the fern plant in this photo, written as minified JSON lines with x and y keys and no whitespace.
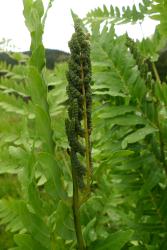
{"x":58,"y":205}
{"x":132,"y":115}
{"x":28,"y":152}
{"x":37,"y":155}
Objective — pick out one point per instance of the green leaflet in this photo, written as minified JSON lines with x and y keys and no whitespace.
{"x":29,"y":185}
{"x":52,"y":172}
{"x":35,"y":226}
{"x":17,"y":152}
{"x":154,"y":178}
{"x":37,"y":57}
{"x":63,"y":221}
{"x":138,"y":135}
{"x":44,"y":131}
{"x":109,"y":80}
{"x":10,"y":214}
{"x":127,"y":120}
{"x":25,"y":242}
{"x":37,"y":87}
{"x":115,"y":241}
{"x":33,"y":12}
{"x":110,"y":112}
{"x":89,"y":233}
{"x":9,"y":104}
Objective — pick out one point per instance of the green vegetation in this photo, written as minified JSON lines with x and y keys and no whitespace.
{"x":51,"y":197}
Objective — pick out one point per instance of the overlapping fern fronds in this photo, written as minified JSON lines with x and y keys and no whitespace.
{"x":133,"y":152}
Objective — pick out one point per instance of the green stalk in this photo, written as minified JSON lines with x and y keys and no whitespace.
{"x":76,"y":213}
{"x":156,"y":72}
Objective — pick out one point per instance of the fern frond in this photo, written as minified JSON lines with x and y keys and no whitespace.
{"x":130,"y":153}
{"x":158,"y":12}
{"x":10,"y":215}
{"x":118,"y":74}
{"x":13,"y":105}
{"x":24,"y":241}
{"x":4,"y":68}
{"x":117,"y":16}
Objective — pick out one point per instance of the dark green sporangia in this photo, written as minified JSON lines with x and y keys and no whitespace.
{"x":140,"y":61}
{"x":78,"y":124}
{"x":150,"y":104}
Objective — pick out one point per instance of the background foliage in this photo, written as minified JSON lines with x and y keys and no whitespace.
{"x":127,"y":207}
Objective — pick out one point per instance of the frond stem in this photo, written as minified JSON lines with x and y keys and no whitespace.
{"x":156,"y":72}
{"x":76,"y":213}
